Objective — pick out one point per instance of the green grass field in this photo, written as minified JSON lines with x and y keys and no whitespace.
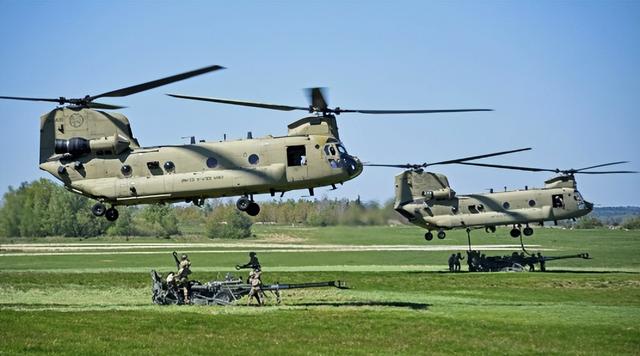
{"x":401,"y":301}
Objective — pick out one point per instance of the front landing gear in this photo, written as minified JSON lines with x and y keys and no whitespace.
{"x":98,"y":209}
{"x":248,"y":206}
{"x":110,"y":214}
{"x":428,"y":236}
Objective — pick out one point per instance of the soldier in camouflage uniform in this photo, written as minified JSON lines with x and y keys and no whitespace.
{"x":184,"y":270}
{"x":256,"y":284}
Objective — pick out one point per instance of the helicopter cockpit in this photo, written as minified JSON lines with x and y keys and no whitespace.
{"x":338,"y":158}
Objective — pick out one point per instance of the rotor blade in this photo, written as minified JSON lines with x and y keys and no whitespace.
{"x":601,"y":165}
{"x":241,"y":103}
{"x":104,"y":106}
{"x":58,"y":100}
{"x":529,"y":169}
{"x":156,"y":83}
{"x":391,"y":165}
{"x":460,"y":160}
{"x":606,"y":172}
{"x":410,"y":111}
{"x":317,"y":98}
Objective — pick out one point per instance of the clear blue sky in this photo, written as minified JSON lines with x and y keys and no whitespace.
{"x":563,"y":77}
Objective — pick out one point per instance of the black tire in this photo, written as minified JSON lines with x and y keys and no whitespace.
{"x":243,"y":203}
{"x":442,"y":235}
{"x":98,"y":209}
{"x":111,"y":214}
{"x":514,"y":233}
{"x":527,"y":231}
{"x":253,"y":209}
{"x":428,"y":236}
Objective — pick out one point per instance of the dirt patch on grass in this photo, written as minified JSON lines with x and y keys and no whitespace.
{"x":281,"y":238}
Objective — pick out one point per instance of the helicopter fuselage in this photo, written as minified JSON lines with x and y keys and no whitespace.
{"x":438,"y":207}
{"x":142,"y":175}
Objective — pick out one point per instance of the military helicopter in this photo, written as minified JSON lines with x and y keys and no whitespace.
{"x":94,"y":153}
{"x":427,"y":200}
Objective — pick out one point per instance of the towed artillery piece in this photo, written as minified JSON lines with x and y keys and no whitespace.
{"x":513,"y":263}
{"x":223,"y":292}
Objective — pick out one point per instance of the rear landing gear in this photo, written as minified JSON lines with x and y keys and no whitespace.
{"x":442,"y":234}
{"x":527,"y":231}
{"x":110,"y":214}
{"x":248,"y":206}
{"x":98,"y":209}
{"x":428,"y":236}
{"x":515,"y":232}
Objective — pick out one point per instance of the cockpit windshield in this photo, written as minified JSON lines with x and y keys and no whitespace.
{"x":578,"y":197}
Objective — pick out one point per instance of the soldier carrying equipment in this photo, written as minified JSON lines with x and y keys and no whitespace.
{"x":184,"y":270}
{"x":253,"y":263}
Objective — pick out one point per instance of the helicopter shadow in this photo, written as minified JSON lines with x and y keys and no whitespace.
{"x":408,"y":305}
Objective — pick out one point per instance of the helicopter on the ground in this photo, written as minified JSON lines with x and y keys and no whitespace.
{"x":427,"y":200}
{"x":94,"y":153}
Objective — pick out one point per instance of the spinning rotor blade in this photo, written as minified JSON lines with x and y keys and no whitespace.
{"x":59,"y":100}
{"x":156,"y":83}
{"x":87,"y":101}
{"x":602,"y":165}
{"x":316,"y":98}
{"x":408,"y":111}
{"x":104,"y":106}
{"x":318,"y":104}
{"x":241,"y":103}
{"x":557,"y":170}
{"x":459,"y":160}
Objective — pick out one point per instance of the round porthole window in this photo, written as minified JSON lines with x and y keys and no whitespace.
{"x":532,"y":203}
{"x":254,"y":159}
{"x":169,"y":166}
{"x":454,"y":209}
{"x":212,"y":162}
{"x":506,"y":205}
{"x":126,"y":170}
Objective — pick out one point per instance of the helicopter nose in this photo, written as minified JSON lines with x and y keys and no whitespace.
{"x":353,"y":166}
{"x":588,"y":205}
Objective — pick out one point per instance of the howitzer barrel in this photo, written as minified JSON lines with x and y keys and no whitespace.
{"x":278,"y":286}
{"x":579,"y":255}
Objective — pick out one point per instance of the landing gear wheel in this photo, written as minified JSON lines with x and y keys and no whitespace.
{"x":253,"y":209}
{"x":98,"y":209}
{"x":514,"y":233}
{"x":243,"y":203}
{"x":428,"y":236}
{"x":442,"y":234}
{"x":489,"y":229}
{"x":111,"y":214}
{"x":527,"y":231}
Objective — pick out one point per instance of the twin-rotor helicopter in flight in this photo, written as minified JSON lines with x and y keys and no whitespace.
{"x":93,"y":152}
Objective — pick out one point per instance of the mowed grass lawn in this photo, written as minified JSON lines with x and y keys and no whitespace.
{"x":47,"y":306}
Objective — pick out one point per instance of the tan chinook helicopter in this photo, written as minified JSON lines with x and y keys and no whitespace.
{"x":427,"y":200}
{"x":94,"y":153}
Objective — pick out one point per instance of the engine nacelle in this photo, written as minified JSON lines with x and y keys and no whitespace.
{"x":78,"y":146}
{"x":440,"y":194}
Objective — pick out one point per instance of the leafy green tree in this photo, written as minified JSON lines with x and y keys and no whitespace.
{"x":228,"y":224}
{"x":161,"y":220}
{"x":589,"y":222}
{"x":632,"y":223}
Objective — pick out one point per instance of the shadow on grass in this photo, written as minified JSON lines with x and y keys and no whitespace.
{"x":409,"y":305}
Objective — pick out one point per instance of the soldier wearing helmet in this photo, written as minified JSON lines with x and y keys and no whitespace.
{"x":184,"y":270}
{"x":253,"y":262}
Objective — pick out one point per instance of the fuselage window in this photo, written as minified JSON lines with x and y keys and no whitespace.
{"x":506,"y":205}
{"x":254,"y":159}
{"x":473,"y":209}
{"x":169,"y":166}
{"x":212,"y":162}
{"x":296,"y":156}
{"x":126,"y":170}
{"x":557,"y":201}
{"x":532,"y":203}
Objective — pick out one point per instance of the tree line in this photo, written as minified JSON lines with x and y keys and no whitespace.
{"x":43,"y":208}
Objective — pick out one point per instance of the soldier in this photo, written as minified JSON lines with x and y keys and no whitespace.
{"x":541,"y":261}
{"x":452,"y":259}
{"x":256,"y":284}
{"x":253,"y":262}
{"x":184,"y":270}
{"x":456,"y":262}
